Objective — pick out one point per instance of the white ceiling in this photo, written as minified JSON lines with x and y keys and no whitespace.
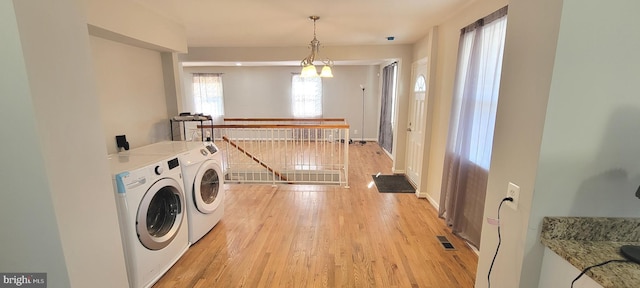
{"x":285,"y":23}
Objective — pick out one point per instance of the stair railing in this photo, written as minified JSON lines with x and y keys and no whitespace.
{"x":284,"y":150}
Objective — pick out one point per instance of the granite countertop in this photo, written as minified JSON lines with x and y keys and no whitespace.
{"x":586,"y":241}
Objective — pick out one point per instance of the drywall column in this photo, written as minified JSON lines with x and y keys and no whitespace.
{"x":589,"y":163}
{"x":55,"y":46}
{"x":567,"y":126}
{"x":530,"y":47}
{"x":30,"y":239}
{"x":172,"y":74}
{"x":427,"y":164}
{"x":129,"y":22}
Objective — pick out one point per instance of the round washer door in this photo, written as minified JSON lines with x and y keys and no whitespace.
{"x":206,"y":187}
{"x":160,"y":214}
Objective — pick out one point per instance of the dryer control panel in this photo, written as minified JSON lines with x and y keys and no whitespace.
{"x":212,"y":148}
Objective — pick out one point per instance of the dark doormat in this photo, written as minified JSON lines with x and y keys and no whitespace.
{"x":393,"y":184}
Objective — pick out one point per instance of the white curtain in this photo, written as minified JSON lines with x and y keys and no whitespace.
{"x":473,"y":113}
{"x":306,"y":96}
{"x":208,"y":95}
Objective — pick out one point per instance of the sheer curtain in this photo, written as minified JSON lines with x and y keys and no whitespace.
{"x":473,"y":113}
{"x":306,"y":96}
{"x":208,"y":95}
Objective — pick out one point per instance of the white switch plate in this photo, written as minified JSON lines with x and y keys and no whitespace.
{"x":513,"y":191}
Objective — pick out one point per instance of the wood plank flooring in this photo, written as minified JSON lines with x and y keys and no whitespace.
{"x":326,"y":236}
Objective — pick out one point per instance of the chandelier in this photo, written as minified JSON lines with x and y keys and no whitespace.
{"x":308,"y":69}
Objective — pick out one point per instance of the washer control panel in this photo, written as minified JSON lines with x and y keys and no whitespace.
{"x":173,"y":163}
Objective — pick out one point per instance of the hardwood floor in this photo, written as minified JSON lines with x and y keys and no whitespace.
{"x":326,"y":236}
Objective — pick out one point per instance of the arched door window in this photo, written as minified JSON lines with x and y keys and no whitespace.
{"x":421,"y":84}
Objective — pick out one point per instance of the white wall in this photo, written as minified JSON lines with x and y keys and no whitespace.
{"x":27,"y":216}
{"x":266,"y":92}
{"x":591,"y":141}
{"x":336,"y":53}
{"x":172,"y":75}
{"x":567,"y":128}
{"x":388,"y":53}
{"x":129,"y":22}
{"x":344,"y":99}
{"x":68,"y":150}
{"x":427,"y":48}
{"x":526,"y":77}
{"x":130,"y":85}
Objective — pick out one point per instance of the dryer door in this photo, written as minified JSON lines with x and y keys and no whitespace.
{"x":206,"y":187}
{"x":160,"y":214}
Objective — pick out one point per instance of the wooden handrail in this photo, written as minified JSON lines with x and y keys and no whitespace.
{"x":254,"y":158}
{"x":286,"y":119}
{"x":303,"y":126}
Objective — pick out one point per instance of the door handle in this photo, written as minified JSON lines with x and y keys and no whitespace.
{"x":409,"y":129}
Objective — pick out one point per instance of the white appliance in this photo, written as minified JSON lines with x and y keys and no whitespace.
{"x":204,"y":186}
{"x":151,"y":211}
{"x":201,"y":164}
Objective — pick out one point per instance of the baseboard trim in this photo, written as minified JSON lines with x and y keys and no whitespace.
{"x":432,"y":201}
{"x":474,"y":249}
{"x":357,"y":140}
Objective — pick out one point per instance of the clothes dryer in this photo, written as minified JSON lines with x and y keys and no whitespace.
{"x":204,"y":189}
{"x":150,"y":199}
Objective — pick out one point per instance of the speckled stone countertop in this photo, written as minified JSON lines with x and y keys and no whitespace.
{"x":585,"y":241}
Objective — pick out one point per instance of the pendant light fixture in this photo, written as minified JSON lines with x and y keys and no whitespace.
{"x":308,"y":69}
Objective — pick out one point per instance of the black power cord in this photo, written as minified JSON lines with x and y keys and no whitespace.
{"x":499,"y":239}
{"x":597,"y":265}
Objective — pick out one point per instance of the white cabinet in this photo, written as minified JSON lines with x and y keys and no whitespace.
{"x":557,"y":272}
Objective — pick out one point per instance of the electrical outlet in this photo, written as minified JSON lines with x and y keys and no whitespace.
{"x":513,"y":191}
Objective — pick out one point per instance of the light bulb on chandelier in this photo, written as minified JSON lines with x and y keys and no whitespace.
{"x":308,"y":69}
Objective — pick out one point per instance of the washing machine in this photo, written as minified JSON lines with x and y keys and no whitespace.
{"x":204,"y":188}
{"x":201,"y":164}
{"x":151,"y":203}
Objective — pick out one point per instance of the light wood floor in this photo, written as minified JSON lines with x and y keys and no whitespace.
{"x":326,"y":236}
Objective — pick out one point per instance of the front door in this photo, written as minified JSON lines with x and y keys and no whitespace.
{"x":415,"y":131}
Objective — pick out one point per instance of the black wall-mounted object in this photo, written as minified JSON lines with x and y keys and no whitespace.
{"x":121,"y":142}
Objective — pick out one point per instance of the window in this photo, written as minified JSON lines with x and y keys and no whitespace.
{"x":477,"y":88}
{"x":306,"y":96}
{"x":473,"y":114}
{"x":207,"y":94}
{"x":421,"y":85}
